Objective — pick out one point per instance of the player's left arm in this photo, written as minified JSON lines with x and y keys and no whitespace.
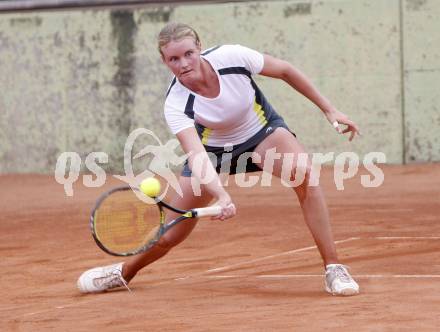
{"x":281,"y":69}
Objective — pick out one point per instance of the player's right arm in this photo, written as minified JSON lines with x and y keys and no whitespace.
{"x":193,"y":147}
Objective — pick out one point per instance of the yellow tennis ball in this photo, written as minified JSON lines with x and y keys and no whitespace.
{"x":150,"y":187}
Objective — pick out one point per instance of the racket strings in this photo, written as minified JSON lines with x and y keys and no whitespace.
{"x":123,"y":223}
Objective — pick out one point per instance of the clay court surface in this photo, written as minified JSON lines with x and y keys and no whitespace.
{"x":257,"y":272}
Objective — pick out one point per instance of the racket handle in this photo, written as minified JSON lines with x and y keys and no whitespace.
{"x":208,"y":211}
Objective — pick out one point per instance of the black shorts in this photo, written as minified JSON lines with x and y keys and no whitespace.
{"x":225,"y":159}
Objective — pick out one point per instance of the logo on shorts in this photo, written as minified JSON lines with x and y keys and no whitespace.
{"x":268,"y":130}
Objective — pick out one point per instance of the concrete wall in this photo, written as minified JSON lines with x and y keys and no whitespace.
{"x":83,"y":80}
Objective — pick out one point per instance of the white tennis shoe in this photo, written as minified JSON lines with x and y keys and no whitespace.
{"x":100,"y":279}
{"x":339,"y":282}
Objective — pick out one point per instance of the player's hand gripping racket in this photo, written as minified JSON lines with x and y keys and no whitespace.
{"x":124,"y":225}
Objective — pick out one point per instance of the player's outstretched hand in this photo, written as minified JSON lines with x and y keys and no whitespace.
{"x":337,"y":118}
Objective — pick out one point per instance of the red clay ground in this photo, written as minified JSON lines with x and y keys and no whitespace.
{"x":268,"y":277}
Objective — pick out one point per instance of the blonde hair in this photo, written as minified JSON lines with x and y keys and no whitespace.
{"x":174,"y":32}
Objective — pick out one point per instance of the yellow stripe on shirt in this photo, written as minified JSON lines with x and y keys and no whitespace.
{"x":260,"y":113}
{"x":205,"y":135}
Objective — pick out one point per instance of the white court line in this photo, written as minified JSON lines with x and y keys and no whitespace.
{"x":405,"y":238}
{"x":299,"y":276}
{"x":218,"y":269}
{"x":288,"y":276}
{"x":227,"y":267}
{"x":276,"y":276}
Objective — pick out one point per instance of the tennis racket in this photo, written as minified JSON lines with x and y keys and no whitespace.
{"x":124,"y":225}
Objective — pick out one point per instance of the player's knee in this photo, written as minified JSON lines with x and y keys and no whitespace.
{"x":300,"y":176}
{"x":302,"y":181}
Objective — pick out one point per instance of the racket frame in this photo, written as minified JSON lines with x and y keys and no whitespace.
{"x":163,"y":227}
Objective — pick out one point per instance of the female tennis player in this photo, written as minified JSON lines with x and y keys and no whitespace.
{"x":213,"y":105}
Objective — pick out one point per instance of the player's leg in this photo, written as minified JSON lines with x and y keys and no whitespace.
{"x":311,"y":198}
{"x":176,"y":234}
{"x":338,"y":281}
